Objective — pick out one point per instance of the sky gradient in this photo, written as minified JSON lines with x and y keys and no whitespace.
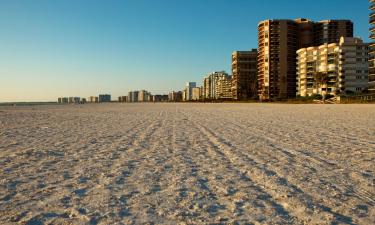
{"x":81,"y":48}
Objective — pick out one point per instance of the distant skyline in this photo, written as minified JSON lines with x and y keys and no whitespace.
{"x":81,"y":48}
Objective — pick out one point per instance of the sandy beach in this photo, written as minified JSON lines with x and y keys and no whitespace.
{"x":187,"y":164}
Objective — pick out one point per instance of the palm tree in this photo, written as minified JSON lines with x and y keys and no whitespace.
{"x":321,"y":80}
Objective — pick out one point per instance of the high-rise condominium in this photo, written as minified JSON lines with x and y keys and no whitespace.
{"x":189,"y":90}
{"x":334,"y":68}
{"x":244,"y":70}
{"x":211,"y":83}
{"x":278,"y":42}
{"x":372,"y":48}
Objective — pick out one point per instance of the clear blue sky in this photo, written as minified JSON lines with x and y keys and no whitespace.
{"x":51,"y":48}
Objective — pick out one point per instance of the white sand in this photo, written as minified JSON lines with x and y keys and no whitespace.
{"x":187,"y":163}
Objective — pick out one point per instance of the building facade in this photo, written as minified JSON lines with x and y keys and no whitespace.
{"x":211,"y":82}
{"x":175,"y":96}
{"x":372,"y":48}
{"x":278,"y":42}
{"x":196,"y":93}
{"x":159,"y":98}
{"x":330,"y":31}
{"x":144,"y":96}
{"x":133,"y":96}
{"x":335,"y":69}
{"x":189,"y":90}
{"x":93,"y":99}
{"x":244,"y":74}
{"x":223,"y":87}
{"x":104,"y":98}
{"x":123,"y":98}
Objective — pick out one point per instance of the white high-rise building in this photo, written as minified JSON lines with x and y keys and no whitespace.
{"x":217,"y":85}
{"x":344,"y":67}
{"x":189,"y":90}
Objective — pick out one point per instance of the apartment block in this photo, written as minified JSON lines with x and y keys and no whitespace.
{"x":189,"y":90}
{"x":144,"y":96}
{"x":63,"y":100}
{"x":104,"y":98}
{"x":244,"y":74}
{"x":335,"y":69}
{"x":93,"y":99}
{"x":223,"y":87}
{"x":196,"y":93}
{"x":133,"y":96}
{"x":330,"y":31}
{"x":372,"y":48}
{"x":159,"y":98}
{"x":211,"y":82}
{"x":278,"y":42}
{"x":123,"y":98}
{"x":175,"y":96}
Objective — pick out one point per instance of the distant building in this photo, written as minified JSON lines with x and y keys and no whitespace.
{"x":93,"y":99}
{"x":245,"y":74}
{"x":64,"y":100}
{"x":144,"y":96}
{"x":71,"y":100}
{"x":175,"y":96}
{"x":184,"y":98}
{"x":189,"y":90}
{"x":133,"y":96}
{"x":372,"y":47}
{"x":77,"y":100}
{"x":344,"y":66}
{"x":223,"y":87}
{"x":122,"y":98}
{"x":211,"y":83}
{"x":196,"y":93}
{"x":159,"y":98}
{"x":104,"y":98}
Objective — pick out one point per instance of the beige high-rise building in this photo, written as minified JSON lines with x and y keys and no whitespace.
{"x":278,"y":42}
{"x":342,"y":67}
{"x":143,"y":96}
{"x":196,"y":93}
{"x":244,"y":78}
{"x":223,"y":87}
{"x":211,"y":82}
{"x":372,"y":48}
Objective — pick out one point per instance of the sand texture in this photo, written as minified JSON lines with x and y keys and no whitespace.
{"x":187,"y":164}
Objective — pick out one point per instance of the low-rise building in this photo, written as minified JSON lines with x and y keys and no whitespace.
{"x":104,"y":98}
{"x":159,"y":98}
{"x":175,"y":96}
{"x":93,"y":99}
{"x":122,"y":98}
